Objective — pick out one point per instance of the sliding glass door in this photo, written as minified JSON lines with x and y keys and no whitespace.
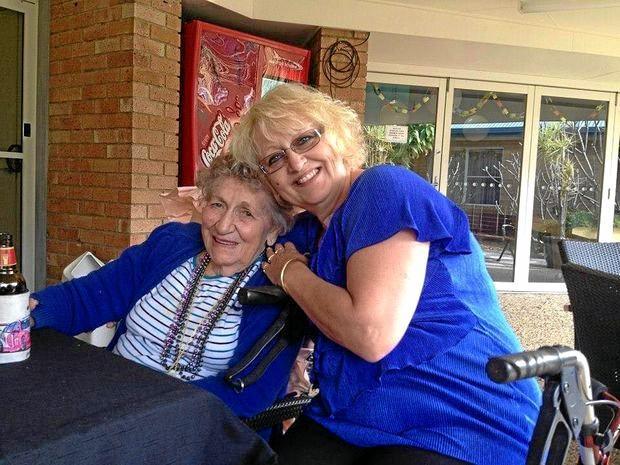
{"x":571,"y":169}
{"x":482,"y":171}
{"x":17,"y":148}
{"x":529,"y":165}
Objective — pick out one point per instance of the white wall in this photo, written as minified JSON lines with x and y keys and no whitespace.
{"x":484,"y":36}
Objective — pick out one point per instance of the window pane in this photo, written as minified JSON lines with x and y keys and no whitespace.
{"x":400,"y":126}
{"x":569,"y":175}
{"x":11,"y":48}
{"x":10,"y":196}
{"x":616,"y":233}
{"x":11,"y":29}
{"x":484,"y":170}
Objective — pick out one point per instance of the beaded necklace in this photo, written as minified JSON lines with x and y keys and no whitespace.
{"x":174,"y":346}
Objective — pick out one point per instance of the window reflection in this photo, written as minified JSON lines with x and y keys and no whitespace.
{"x":11,"y":44}
{"x":10,"y":197}
{"x":11,"y":69}
{"x":484,"y":170}
{"x":569,"y":175}
{"x":400,"y":126}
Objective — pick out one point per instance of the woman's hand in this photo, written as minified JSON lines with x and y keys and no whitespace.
{"x":279,"y":258}
{"x":372,"y":313}
{"x":32,"y":303}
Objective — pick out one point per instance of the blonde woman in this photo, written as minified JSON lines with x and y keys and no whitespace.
{"x":397,"y":287}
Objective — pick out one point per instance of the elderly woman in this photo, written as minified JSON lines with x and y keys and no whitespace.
{"x":176,"y":294}
{"x":397,"y":287}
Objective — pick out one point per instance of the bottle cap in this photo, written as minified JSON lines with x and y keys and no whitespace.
{"x":6,"y":239}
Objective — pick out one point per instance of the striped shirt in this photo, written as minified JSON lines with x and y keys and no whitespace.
{"x":150,"y":318}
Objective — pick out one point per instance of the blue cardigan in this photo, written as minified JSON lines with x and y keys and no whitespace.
{"x":109,"y":293}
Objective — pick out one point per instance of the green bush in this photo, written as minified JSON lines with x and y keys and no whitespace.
{"x":580,"y":219}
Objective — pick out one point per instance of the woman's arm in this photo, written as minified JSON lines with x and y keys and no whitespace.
{"x":107,"y":294}
{"x":85,"y":303}
{"x":370,"y":316}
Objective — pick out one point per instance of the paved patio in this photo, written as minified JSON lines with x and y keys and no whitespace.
{"x":540,"y":319}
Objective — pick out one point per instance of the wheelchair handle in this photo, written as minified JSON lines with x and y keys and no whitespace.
{"x":546,"y":361}
{"x":261,"y":295}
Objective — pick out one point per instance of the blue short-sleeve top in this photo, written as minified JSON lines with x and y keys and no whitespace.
{"x":431,"y":391}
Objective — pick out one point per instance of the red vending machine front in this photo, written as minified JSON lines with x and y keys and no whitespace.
{"x":224,"y":71}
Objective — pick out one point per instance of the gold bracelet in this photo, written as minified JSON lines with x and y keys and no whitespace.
{"x":294,"y":259}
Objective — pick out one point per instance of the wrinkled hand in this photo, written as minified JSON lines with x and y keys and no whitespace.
{"x":32,"y":303}
{"x":278,"y":257}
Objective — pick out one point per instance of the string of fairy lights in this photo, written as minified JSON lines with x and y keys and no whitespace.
{"x":399,"y":107}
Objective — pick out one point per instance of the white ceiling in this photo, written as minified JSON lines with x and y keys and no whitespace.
{"x":472,"y":35}
{"x":603,"y":21}
{"x":446,"y":53}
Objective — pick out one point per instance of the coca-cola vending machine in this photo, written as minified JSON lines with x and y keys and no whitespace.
{"x":224,"y":71}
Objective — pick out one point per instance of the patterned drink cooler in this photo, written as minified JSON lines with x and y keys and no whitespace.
{"x":14,"y":328}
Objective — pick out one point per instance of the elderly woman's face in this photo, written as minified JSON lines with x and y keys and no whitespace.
{"x":236,"y":223}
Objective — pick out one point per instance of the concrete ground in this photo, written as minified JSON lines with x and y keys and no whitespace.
{"x":538,"y":320}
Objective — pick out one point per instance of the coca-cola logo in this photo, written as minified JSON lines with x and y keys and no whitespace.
{"x":275,"y":59}
{"x":220,"y":130}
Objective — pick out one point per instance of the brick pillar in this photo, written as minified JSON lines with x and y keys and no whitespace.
{"x":341,"y":58}
{"x":113,"y":132}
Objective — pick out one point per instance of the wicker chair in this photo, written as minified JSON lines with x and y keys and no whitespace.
{"x":602,"y":256}
{"x":595,"y":302}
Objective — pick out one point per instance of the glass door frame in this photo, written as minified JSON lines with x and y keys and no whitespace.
{"x":608,"y":187}
{"x":521,"y":244}
{"x":420,"y":81}
{"x":606,"y":227}
{"x":28,"y":154}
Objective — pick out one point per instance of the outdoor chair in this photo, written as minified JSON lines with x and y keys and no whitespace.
{"x":595,"y":303}
{"x":602,"y":256}
{"x":592,"y":275}
{"x":508,"y":236}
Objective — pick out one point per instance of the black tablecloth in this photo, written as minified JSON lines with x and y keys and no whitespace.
{"x":71,"y":403}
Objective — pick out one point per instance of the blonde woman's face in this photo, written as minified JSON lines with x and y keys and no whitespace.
{"x":314,"y":180}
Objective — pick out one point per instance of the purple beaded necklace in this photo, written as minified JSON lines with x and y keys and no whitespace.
{"x":173,"y":345}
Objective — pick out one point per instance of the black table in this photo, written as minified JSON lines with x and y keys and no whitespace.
{"x":71,"y":403}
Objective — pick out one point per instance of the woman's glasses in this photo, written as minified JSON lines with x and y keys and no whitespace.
{"x":301,"y":144}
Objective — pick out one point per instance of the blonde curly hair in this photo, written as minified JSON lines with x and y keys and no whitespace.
{"x":289,"y":108}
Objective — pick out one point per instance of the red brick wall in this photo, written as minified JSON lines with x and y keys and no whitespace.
{"x":113,"y":132}
{"x":355,"y":93}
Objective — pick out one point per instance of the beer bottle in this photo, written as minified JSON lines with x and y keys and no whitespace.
{"x":14,"y":313}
